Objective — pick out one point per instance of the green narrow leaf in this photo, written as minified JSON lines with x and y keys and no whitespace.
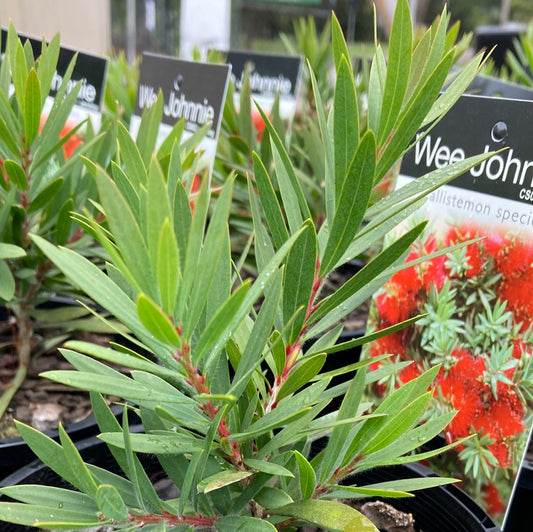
{"x":345,"y":124}
{"x":51,"y":496}
{"x":13,"y":144}
{"x":155,"y":443}
{"x":353,"y":203}
{"x":300,"y":273}
{"x":194,"y":239}
{"x":167,"y":270}
{"x":329,"y":514}
{"x":376,"y":86}
{"x":50,"y":453}
{"x":7,"y":282}
{"x":157,"y":322}
{"x":291,"y":191}
{"x":218,"y":330}
{"x":126,"y":187}
{"x":305,"y":371}
{"x":110,"y":503}
{"x":58,"y":519}
{"x":398,"y":68}
{"x":127,"y":234}
{"x":222,"y":479}
{"x":270,"y":203}
{"x":235,"y":523}
{"x":85,"y":480}
{"x":157,"y":210}
{"x":149,"y":129}
{"x":45,"y":195}
{"x":278,"y":351}
{"x":333,"y":454}
{"x":253,"y":352}
{"x":268,"y":467}
{"x":16,"y":174}
{"x":131,"y":157}
{"x":338,"y":42}
{"x":215,"y":254}
{"x":181,"y":214}
{"x":370,"y":271}
{"x":19,"y":71}
{"x":32,"y":107}
{"x":10,"y":251}
{"x":307,"y":475}
{"x":270,"y":498}
{"x":397,"y":425}
{"x":47,"y":64}
{"x":94,"y":283}
{"x":64,"y":222}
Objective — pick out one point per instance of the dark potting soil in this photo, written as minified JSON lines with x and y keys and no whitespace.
{"x":39,"y":402}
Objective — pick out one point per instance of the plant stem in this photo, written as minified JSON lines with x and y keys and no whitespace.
{"x":23,"y":347}
{"x":293,"y":350}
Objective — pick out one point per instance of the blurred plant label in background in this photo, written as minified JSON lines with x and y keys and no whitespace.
{"x":270,"y":75}
{"x":490,"y":86}
{"x":477,"y":299}
{"x":89,"y":69}
{"x":191,"y":90}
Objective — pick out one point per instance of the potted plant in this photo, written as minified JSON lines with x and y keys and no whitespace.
{"x":229,"y":399}
{"x":42,"y":180}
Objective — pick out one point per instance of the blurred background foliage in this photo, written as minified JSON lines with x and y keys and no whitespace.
{"x":256,"y":25}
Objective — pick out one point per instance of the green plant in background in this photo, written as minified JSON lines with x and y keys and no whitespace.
{"x":230,"y":393}
{"x":519,"y":62}
{"x":121,"y":87}
{"x":316,"y":48}
{"x":242,"y":134}
{"x":42,"y":180}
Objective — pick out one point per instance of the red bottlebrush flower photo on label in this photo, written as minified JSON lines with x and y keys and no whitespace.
{"x":475,"y":305}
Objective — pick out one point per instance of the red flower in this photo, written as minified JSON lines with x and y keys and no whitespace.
{"x":259,"y":124}
{"x":72,"y":143}
{"x":410,"y":372}
{"x":392,"y":344}
{"x":463,"y":389}
{"x":515,"y":257}
{"x":520,"y":348}
{"x":195,"y":187}
{"x":493,"y":500}
{"x":516,"y":291}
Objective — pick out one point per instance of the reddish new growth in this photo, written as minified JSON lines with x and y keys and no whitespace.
{"x":198,"y":382}
{"x":172,"y":520}
{"x":292,"y":350}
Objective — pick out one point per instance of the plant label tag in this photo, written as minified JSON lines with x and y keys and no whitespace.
{"x":192,"y":91}
{"x":483,"y":85}
{"x":89,"y":69}
{"x":271,"y":76}
{"x":477,"y":298}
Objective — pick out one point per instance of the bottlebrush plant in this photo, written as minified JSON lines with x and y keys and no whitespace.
{"x":230,"y":392}
{"x":42,"y":179}
{"x":478,"y":330}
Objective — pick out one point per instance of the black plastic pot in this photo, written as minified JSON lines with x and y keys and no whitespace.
{"x":15,"y":453}
{"x":441,"y":509}
{"x":93,"y":451}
